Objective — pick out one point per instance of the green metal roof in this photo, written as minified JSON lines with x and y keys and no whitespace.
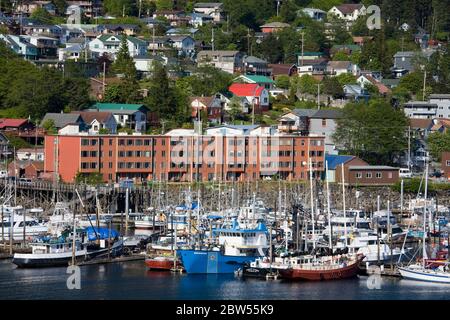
{"x":258,"y":79}
{"x":310,"y":53}
{"x":136,"y":41}
{"x":119,"y":106}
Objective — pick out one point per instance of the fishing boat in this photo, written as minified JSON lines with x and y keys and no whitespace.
{"x":162,"y":263}
{"x":153,"y":221}
{"x":236,"y":247}
{"x":17,"y":224}
{"x":55,"y":252}
{"x":322,"y":268}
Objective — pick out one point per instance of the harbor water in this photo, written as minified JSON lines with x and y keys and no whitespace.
{"x":131,"y":280}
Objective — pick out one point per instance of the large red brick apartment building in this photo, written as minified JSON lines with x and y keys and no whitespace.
{"x":178,"y":158}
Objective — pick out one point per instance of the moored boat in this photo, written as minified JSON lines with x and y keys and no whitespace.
{"x":322,"y":268}
{"x":162,"y":263}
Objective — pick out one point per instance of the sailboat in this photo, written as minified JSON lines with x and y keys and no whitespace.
{"x":419,"y":271}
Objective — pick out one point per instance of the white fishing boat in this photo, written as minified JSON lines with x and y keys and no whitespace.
{"x":150,"y":221}
{"x":420,"y":271}
{"x":16,"y":223}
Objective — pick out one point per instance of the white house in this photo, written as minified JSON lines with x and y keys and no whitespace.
{"x":443,"y":103}
{"x":255,"y":94}
{"x":227,"y":60}
{"x":110,"y":44}
{"x":336,"y":68}
{"x":349,"y":12}
{"x":213,"y":9}
{"x":97,"y":121}
{"x":184,"y":44}
{"x":34,"y":154}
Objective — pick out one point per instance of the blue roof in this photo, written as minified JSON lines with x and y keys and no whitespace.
{"x":335,"y":160}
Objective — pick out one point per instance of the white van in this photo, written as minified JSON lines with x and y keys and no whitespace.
{"x":405,"y":173}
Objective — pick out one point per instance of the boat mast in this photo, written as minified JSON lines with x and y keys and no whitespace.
{"x":343,"y":204}
{"x":424,"y":252}
{"x":312,"y":203}
{"x":330,"y":242}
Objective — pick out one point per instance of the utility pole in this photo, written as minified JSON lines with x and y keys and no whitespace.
{"x":153,"y":40}
{"x":212,"y":39}
{"x":409,"y":148}
{"x":140,"y":8}
{"x":424,"y":83}
{"x":104,"y":78}
{"x":248,"y":42}
{"x":318,"y":96}
{"x":303,"y":39}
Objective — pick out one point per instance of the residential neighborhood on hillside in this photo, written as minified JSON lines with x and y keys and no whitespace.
{"x":174,"y":149}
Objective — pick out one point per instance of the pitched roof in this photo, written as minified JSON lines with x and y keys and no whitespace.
{"x":204,"y":100}
{"x":336,"y":160}
{"x":339,"y":64}
{"x":256,"y":78}
{"x":246,"y":89}
{"x":304,"y":112}
{"x":349,"y":7}
{"x":369,"y":167}
{"x":89,"y":116}
{"x":327,"y":114}
{"x":383,"y":89}
{"x":420,"y":123}
{"x":12,"y":123}
{"x":62,"y":119}
{"x":279,"y":69}
{"x":439,"y":96}
{"x":207,"y":4}
{"x":276,"y":25}
{"x":135,"y":41}
{"x":118,"y":106}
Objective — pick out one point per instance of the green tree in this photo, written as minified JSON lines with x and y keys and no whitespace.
{"x":160,"y":95}
{"x":374,"y":132}
{"x":332,"y":86}
{"x":235,"y":109}
{"x":124,"y":63}
{"x":119,"y":8}
{"x":42,"y":15}
{"x":49,"y":126}
{"x":438,"y":143}
{"x":307,"y":84}
{"x":346,"y":78}
{"x":282,"y":82}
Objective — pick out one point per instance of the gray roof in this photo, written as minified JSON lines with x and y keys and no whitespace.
{"x":327,"y":114}
{"x":304,"y":112}
{"x":421,"y":103}
{"x":63,"y":119}
{"x":369,"y":167}
{"x":440,"y":96}
{"x":207,"y":4}
{"x":253,"y":59}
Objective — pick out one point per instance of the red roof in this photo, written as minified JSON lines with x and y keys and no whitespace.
{"x":12,"y":123}
{"x":246,"y":89}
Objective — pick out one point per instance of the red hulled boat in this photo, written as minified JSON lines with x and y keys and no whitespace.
{"x":321,"y":268}
{"x":162,"y":263}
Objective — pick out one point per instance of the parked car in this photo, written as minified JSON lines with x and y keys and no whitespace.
{"x":25,"y":181}
{"x":405,"y":173}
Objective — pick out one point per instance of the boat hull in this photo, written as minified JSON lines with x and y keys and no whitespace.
{"x":162,"y":265}
{"x":28,"y":260}
{"x":199,"y":261}
{"x":424,"y":276}
{"x":349,"y":271}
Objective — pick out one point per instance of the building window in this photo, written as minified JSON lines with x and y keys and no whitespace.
{"x":324,"y":122}
{"x":84,"y":142}
{"x":121,"y":142}
{"x":110,"y":165}
{"x":369,"y":175}
{"x":358,"y":175}
{"x":379,"y":175}
{"x":447,"y":163}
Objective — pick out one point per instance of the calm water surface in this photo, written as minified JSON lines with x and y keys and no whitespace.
{"x":131,"y":280}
